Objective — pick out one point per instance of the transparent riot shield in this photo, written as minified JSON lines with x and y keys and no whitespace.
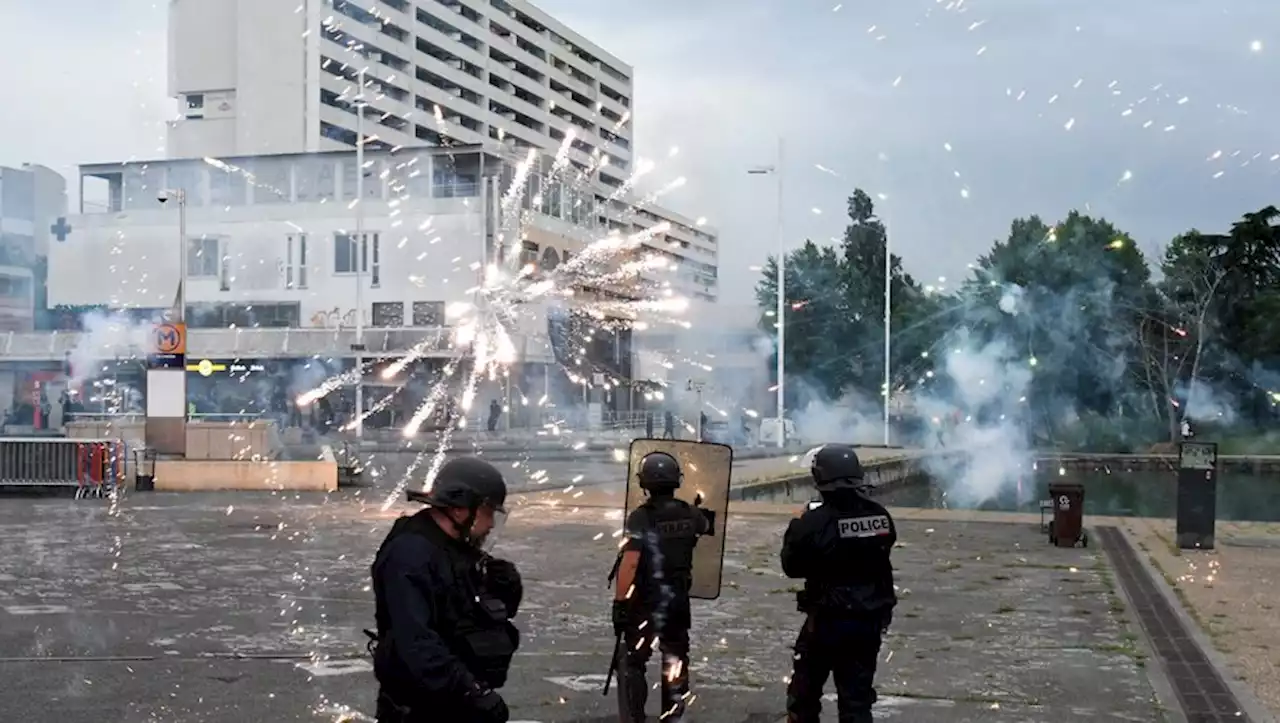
{"x":707,"y":468}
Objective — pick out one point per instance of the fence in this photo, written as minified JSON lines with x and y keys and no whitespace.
{"x":90,"y":465}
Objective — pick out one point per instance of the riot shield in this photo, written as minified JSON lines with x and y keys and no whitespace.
{"x":707,"y":468}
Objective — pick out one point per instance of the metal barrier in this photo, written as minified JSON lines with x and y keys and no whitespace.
{"x":92,"y":466}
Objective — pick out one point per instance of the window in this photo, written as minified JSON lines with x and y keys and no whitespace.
{"x":428,"y":313}
{"x":295,"y":269}
{"x":195,"y":101}
{"x":344,"y":255}
{"x":203,"y":257}
{"x":388,"y":313}
{"x":528,"y":253}
{"x":226,"y":188}
{"x":222,"y":316}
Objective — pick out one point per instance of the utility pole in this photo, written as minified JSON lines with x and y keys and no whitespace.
{"x":776,"y":171}
{"x":888,"y":306}
{"x":360,"y":252}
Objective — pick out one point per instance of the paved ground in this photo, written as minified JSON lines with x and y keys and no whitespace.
{"x":210,"y":608}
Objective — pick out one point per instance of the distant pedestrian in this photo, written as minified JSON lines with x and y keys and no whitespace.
{"x":668,"y":425}
{"x":702,"y":426}
{"x":495,"y":411}
{"x":648,"y":424}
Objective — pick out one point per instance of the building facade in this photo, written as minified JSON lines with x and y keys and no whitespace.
{"x":265,"y":77}
{"x":32,"y":199}
{"x":256,"y":77}
{"x":274,"y":259}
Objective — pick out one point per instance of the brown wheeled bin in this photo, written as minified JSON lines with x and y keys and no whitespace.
{"x":1067,"y":528}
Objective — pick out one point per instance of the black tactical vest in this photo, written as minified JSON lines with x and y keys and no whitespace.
{"x":473,"y":623}
{"x":675,"y":524}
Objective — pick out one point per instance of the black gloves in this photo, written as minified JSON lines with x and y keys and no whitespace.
{"x":488,"y":706}
{"x":503,"y":580}
{"x":621,"y":616}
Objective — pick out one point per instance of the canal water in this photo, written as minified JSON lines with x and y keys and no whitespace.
{"x":1241,"y":497}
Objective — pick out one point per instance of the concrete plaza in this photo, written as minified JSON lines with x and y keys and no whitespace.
{"x":241,"y":608}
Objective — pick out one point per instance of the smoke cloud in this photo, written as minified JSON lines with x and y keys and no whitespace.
{"x":107,"y":337}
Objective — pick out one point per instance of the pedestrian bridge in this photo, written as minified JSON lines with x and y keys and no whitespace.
{"x":432,"y":342}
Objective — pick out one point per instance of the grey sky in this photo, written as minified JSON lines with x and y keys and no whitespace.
{"x":719,"y":79}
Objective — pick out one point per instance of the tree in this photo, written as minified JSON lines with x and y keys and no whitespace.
{"x":1222,"y":288}
{"x":835,"y":308}
{"x":1066,"y":295}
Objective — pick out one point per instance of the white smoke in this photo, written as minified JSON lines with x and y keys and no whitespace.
{"x":107,"y":337}
{"x":852,"y":419}
{"x":978,"y":416}
{"x":1204,"y":404}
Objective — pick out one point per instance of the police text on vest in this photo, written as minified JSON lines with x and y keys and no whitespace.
{"x":873,"y":526}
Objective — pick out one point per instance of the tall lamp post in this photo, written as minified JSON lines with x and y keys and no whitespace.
{"x":888,"y":308}
{"x":180,"y":196}
{"x":776,"y":171}
{"x":360,"y":254}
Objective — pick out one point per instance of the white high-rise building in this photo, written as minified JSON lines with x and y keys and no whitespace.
{"x":261,"y":77}
{"x":33,"y":200}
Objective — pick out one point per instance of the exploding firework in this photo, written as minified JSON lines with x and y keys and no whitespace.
{"x":611,"y":283}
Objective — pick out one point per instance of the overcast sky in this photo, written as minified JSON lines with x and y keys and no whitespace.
{"x":1044,"y":105}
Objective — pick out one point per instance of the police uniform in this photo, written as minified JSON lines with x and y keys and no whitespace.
{"x":841,"y":549}
{"x":651,"y":599}
{"x":444,"y":639}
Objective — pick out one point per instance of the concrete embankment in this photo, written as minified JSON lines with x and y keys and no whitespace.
{"x":1095,"y":462}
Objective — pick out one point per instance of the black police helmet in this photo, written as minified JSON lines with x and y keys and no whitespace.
{"x":466,"y":483}
{"x":659,"y":471}
{"x":835,"y":466}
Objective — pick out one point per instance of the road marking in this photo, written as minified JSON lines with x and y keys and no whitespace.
{"x":580,"y":683}
{"x":329,"y":668}
{"x":36,"y":609}
{"x":150,"y":586}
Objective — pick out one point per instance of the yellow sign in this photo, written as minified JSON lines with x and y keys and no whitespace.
{"x":206,"y":367}
{"x":171,"y":339}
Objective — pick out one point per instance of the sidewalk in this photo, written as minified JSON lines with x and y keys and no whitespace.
{"x":1232,"y":591}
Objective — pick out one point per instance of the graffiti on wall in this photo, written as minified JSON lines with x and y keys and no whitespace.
{"x":335,"y":318}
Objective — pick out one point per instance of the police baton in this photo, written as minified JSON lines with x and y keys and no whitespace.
{"x":613,"y":664}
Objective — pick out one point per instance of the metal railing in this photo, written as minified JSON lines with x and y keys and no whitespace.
{"x":260,"y":343}
{"x":89,"y":465}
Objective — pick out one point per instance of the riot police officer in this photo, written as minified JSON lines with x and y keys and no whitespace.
{"x":651,"y":596}
{"x":841,"y":548}
{"x":444,"y":640}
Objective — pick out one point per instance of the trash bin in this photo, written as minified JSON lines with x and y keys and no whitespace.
{"x":1067,"y":528}
{"x":144,"y":470}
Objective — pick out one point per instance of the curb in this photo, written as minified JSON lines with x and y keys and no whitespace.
{"x":1254,"y":709}
{"x":1156,"y":672}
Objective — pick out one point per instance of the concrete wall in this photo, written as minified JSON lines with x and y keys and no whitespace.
{"x":202,"y":475}
{"x":214,"y":441}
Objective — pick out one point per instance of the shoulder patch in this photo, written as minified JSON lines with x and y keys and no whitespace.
{"x":871,"y":526}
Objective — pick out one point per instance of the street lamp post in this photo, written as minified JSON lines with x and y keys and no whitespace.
{"x":776,"y":171}
{"x":180,"y":196}
{"x":360,"y":255}
{"x":888,"y":309}
{"x":888,"y":305}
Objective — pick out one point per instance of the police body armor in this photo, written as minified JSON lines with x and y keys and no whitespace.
{"x":857,"y":574}
{"x":675,"y":526}
{"x":474,"y":625}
